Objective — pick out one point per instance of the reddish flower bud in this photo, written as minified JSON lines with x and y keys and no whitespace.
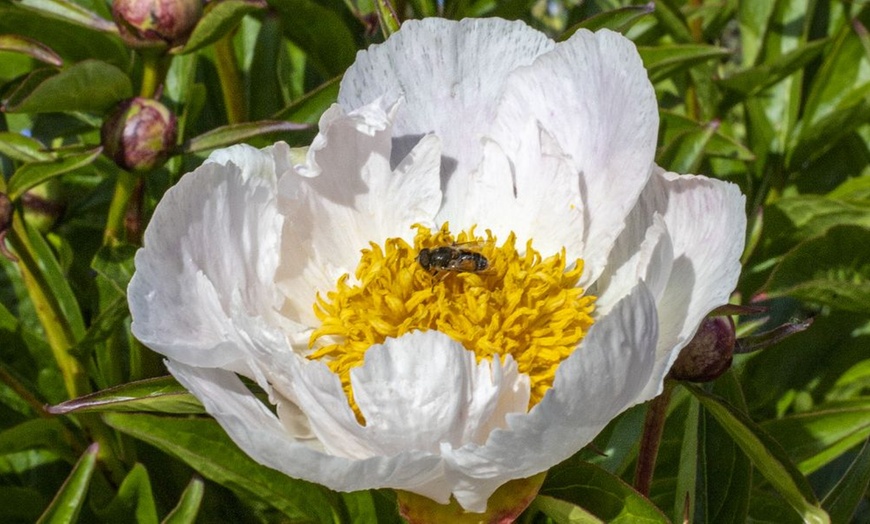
{"x":710,"y":352}
{"x":139,"y":134}
{"x":156,"y":23}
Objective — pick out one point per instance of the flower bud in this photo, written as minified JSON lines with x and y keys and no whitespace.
{"x":139,"y":134}
{"x":155,"y":23}
{"x":710,"y":352}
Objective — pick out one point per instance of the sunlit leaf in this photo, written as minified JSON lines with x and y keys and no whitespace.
{"x":615,"y":19}
{"x":34,"y":173}
{"x":664,"y":61}
{"x":187,"y":509}
{"x":753,"y":80}
{"x":134,"y":500}
{"x":235,"y":133}
{"x":30,"y":47}
{"x":320,"y":32}
{"x":22,"y":148}
{"x":161,"y":395}
{"x":563,"y":512}
{"x":90,"y":85}
{"x":219,"y":19}
{"x":309,"y":108}
{"x":842,"y":501}
{"x":70,"y":12}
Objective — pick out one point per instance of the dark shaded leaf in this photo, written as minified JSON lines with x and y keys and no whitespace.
{"x":236,"y":133}
{"x":842,"y":501}
{"x":320,"y":32}
{"x":187,"y":509}
{"x":665,"y":61}
{"x":219,"y":19}
{"x":134,"y":500}
{"x":616,"y":19}
{"x":203,"y":445}
{"x":309,"y":108}
{"x":69,"y":499}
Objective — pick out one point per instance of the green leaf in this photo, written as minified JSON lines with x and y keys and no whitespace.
{"x":134,"y":499}
{"x":720,"y":145}
{"x":31,"y":48}
{"x":815,"y":438}
{"x":387,"y":17}
{"x":203,"y":445}
{"x":615,"y":19}
{"x":600,"y":493}
{"x":90,"y":85}
{"x":833,"y":269}
{"x":69,"y":499}
{"x":34,"y":173}
{"x":22,"y":148}
{"x":320,"y":32}
{"x":684,"y":152}
{"x":687,"y":473}
{"x":20,"y":504}
{"x":795,"y":219}
{"x":751,"y":81}
{"x":767,"y":456}
{"x":309,"y":108}
{"x":563,"y":512}
{"x":726,"y":470}
{"x":187,"y":509}
{"x":38,"y":433}
{"x":219,"y":19}
{"x":236,"y":133}
{"x":69,"y":12}
{"x":160,"y":395}
{"x":664,"y":61}
{"x":842,"y":501}
{"x":669,"y":16}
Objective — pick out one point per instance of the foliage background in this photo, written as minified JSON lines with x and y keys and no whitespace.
{"x":772,"y":95}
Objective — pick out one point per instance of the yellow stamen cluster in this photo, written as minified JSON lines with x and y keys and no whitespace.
{"x":523,"y":305}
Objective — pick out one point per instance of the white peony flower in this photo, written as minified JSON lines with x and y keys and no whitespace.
{"x":488,"y":140}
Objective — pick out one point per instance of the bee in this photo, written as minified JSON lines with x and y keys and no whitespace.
{"x":453,"y":258}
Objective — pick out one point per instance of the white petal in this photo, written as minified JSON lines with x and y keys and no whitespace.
{"x":604,"y":377}
{"x":706,"y":220}
{"x":203,"y":289}
{"x":258,"y":433}
{"x":424,"y":389}
{"x":592,"y":94}
{"x":346,"y":196}
{"x":451,"y":75}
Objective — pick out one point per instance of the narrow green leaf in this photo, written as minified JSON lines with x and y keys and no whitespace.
{"x":833,"y":269}
{"x":57,"y":283}
{"x":563,"y":512}
{"x":815,"y":438}
{"x":115,"y":264}
{"x":754,"y":79}
{"x":69,"y":500}
{"x":187,"y":509}
{"x":320,"y":32}
{"x":309,"y":108}
{"x":70,"y":12}
{"x":161,"y":395}
{"x":842,"y":501}
{"x":615,"y":19}
{"x":669,"y":16}
{"x":684,"y":153}
{"x":664,"y":61}
{"x":134,"y":500}
{"x":754,"y":18}
{"x":40,"y":433}
{"x":600,"y":493}
{"x":89,"y":85}
{"x":727,"y":471}
{"x":387,"y":17}
{"x":109,"y":322}
{"x":34,"y":173}
{"x":31,"y":48}
{"x":22,"y":148}
{"x":203,"y":445}
{"x":720,"y":145}
{"x":767,"y":456}
{"x":219,"y":19}
{"x":236,"y":133}
{"x":687,"y":473}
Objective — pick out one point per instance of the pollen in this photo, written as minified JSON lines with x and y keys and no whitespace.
{"x":521,"y":304}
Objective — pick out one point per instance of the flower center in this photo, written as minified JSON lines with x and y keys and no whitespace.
{"x":494,"y":300}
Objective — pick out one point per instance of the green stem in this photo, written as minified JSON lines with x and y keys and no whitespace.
{"x":653,"y":427}
{"x":124,"y":189}
{"x":231,"y":80}
{"x":154,"y":67}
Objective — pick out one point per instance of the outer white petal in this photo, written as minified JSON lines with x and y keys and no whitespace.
{"x":705,"y":226}
{"x":259,"y":433}
{"x":203,"y":290}
{"x":451,"y":75}
{"x":346,"y":196}
{"x":592,"y":94}
{"x":605,"y":376}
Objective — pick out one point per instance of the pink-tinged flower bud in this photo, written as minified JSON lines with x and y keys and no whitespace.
{"x":709,"y":354}
{"x":156,"y":23}
{"x":139,"y":134}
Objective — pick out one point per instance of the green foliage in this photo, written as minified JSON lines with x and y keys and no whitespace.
{"x":773,"y":96}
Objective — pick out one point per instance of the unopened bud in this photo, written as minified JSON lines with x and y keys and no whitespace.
{"x":139,"y":134}
{"x":710,"y":352}
{"x":156,"y":23}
